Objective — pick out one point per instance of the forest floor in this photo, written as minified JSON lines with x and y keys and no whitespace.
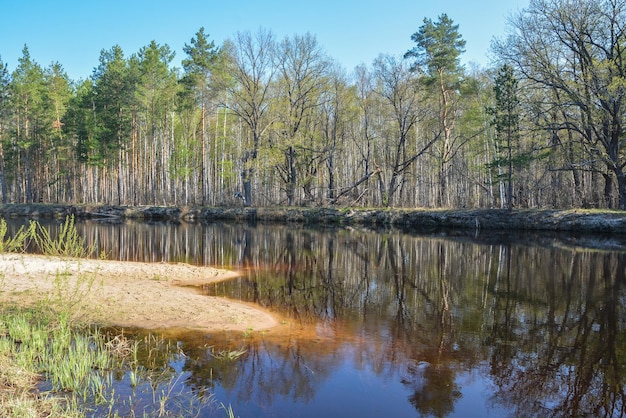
{"x":127,"y":294}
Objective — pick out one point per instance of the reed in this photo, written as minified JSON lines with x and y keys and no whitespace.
{"x":228,"y":410}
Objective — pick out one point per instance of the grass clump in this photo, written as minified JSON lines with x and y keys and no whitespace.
{"x":37,"y":346}
{"x":67,"y":244}
{"x":73,"y":361}
{"x":13,"y":244}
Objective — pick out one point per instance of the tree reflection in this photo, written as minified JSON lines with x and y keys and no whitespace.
{"x":546,"y":320}
{"x":545,"y":324}
{"x":434,"y":389}
{"x":269,"y":371}
{"x":567,"y":351}
{"x":432,"y":378}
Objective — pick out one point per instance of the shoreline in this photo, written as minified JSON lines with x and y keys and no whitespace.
{"x":570,"y":220}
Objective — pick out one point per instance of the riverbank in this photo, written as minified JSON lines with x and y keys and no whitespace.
{"x":126,"y":294}
{"x":572,"y":220}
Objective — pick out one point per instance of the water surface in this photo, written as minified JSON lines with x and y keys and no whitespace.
{"x":387,"y":323}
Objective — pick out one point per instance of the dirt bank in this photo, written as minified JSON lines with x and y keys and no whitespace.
{"x":572,"y":220}
{"x":146,"y":295}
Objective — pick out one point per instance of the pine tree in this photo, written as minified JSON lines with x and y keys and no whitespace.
{"x":202,"y":59}
{"x":113,"y":102}
{"x":28,"y":100}
{"x":156,"y":94}
{"x":506,"y":123}
{"x":439,"y":46}
{"x":58,"y":150}
{"x":5,"y":109}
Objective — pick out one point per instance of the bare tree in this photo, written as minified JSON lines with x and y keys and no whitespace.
{"x":400,"y":89}
{"x":248,"y":59}
{"x":304,"y":70}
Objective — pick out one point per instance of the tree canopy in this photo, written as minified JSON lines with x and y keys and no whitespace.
{"x":265,"y":121}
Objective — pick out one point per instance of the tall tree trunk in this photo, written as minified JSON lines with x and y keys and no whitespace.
{"x":3,"y":184}
{"x":29,"y":186}
{"x":579,"y":196}
{"x":330,"y":164}
{"x":68,"y":186}
{"x":382,"y":189}
{"x":246,"y":182}
{"x":248,"y":170}
{"x":621,"y":187}
{"x":203,"y":195}
{"x":119,"y":175}
{"x":291,"y":176}
{"x":608,"y":190}
{"x":447,"y":124}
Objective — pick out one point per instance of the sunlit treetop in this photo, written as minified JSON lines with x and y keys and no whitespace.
{"x":439,"y":46}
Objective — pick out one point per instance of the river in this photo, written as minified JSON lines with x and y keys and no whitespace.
{"x":397,"y":324}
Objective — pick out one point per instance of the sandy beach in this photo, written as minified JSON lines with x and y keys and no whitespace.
{"x":128,"y":294}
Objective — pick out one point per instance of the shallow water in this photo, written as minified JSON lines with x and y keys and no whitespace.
{"x":388,"y":323}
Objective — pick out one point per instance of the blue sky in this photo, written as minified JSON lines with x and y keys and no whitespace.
{"x":73,"y":32}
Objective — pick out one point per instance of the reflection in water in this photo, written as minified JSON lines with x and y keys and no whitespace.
{"x":386,"y":323}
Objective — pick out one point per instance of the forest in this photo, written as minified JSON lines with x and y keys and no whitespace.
{"x":261,"y":121}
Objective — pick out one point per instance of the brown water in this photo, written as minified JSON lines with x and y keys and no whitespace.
{"x":388,"y":323}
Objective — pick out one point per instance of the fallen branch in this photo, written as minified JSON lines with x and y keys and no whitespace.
{"x":346,"y":190}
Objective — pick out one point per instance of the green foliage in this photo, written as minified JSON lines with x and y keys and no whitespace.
{"x":112,"y":100}
{"x":29,"y":95}
{"x":506,"y":119}
{"x":37,"y":342}
{"x":15,"y":243}
{"x":439,"y":46}
{"x":506,"y":111}
{"x":157,"y":84}
{"x":69,"y":292}
{"x":80,"y":125}
{"x":67,"y":244}
{"x":5,"y":83}
{"x":202,"y":59}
